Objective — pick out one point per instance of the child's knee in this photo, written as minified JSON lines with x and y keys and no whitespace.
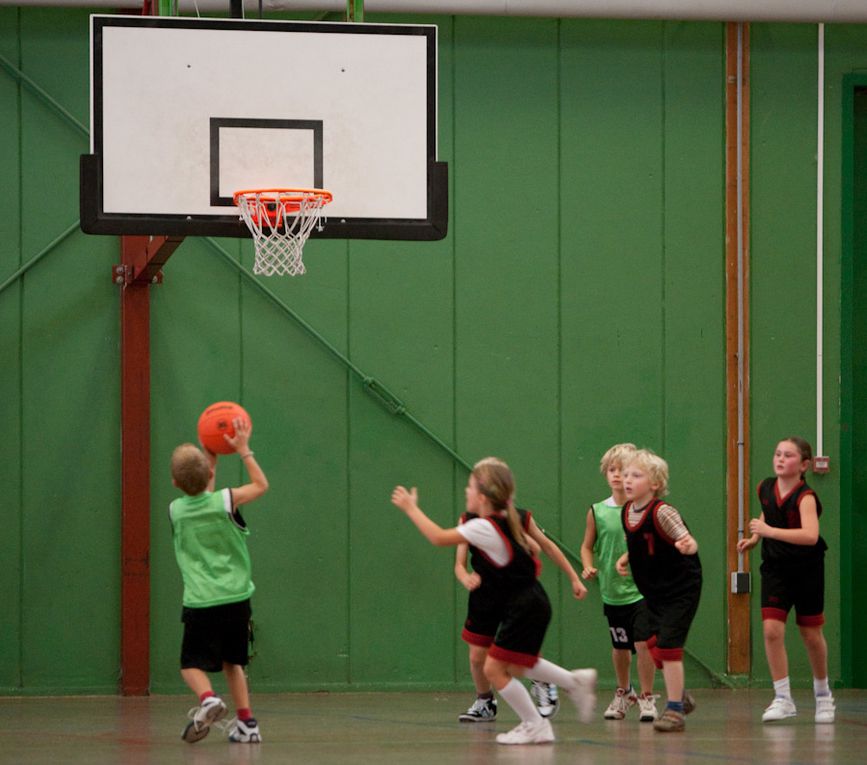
{"x":774,"y":630}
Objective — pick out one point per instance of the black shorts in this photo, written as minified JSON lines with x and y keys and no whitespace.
{"x":669,"y":619}
{"x":215,"y":635}
{"x":514,"y":628}
{"x":621,"y":624}
{"x":484,"y":614}
{"x":800,"y":585}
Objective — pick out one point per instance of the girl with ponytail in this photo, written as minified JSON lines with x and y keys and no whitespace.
{"x":511,"y":610}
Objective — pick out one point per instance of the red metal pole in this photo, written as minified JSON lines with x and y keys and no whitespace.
{"x":135,"y":479}
{"x":142,"y":257}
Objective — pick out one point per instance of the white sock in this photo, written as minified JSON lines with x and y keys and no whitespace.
{"x":518,"y":697}
{"x":782,"y":689}
{"x":821,"y":687}
{"x":548,"y":672}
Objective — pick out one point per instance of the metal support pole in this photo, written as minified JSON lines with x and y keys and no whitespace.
{"x":135,"y":489}
{"x":142,"y":257}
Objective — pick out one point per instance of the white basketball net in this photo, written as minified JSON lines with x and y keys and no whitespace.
{"x":280,"y":221}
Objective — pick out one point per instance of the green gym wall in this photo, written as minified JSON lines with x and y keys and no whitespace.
{"x":578,"y":301}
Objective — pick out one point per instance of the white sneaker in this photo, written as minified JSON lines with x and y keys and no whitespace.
{"x":825,"y":709}
{"x":244,"y":732}
{"x":583,"y":695}
{"x":202,"y":717}
{"x":528,"y":733}
{"x":620,"y":704}
{"x":647,"y":707}
{"x":779,"y":709}
{"x":546,"y":697}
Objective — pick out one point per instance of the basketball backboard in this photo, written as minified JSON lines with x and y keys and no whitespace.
{"x":185,"y":112}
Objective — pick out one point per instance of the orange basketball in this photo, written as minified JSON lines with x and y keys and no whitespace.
{"x":216,"y":421}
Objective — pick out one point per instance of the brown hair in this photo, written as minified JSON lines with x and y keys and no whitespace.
{"x":494,"y":480}
{"x":803,"y":447}
{"x":190,"y":469}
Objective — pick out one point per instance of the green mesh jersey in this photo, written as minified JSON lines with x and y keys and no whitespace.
{"x":211,"y":549}
{"x":610,"y":544}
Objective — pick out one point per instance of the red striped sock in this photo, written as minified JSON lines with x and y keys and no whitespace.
{"x":206,"y":694}
{"x":245,"y":714}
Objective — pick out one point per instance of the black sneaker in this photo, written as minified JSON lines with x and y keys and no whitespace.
{"x":482,"y":710}
{"x":546,"y":697}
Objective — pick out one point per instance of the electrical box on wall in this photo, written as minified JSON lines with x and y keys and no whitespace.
{"x":740,"y":582}
{"x":821,"y":464}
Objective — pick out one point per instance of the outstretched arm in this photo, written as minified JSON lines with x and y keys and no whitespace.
{"x":407,"y":500}
{"x":556,"y":555}
{"x":258,"y":484}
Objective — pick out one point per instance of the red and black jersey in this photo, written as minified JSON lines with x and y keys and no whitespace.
{"x":522,"y":568}
{"x":659,"y":569}
{"x":785,"y":513}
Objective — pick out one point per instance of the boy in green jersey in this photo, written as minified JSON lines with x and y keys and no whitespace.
{"x":605,"y":542}
{"x":209,"y":540}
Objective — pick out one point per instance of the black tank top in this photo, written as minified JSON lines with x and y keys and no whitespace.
{"x":522,"y":568}
{"x":785,"y":513}
{"x":659,"y":569}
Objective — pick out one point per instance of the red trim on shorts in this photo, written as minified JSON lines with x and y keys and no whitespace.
{"x":776,"y":614}
{"x":670,"y":654}
{"x":513,"y":657}
{"x":654,"y":652}
{"x":816,"y":620}
{"x":473,"y":638}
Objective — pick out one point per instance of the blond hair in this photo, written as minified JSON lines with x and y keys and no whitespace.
{"x":190,"y":469}
{"x":495,"y":481}
{"x":619,"y":454}
{"x":655,"y":467}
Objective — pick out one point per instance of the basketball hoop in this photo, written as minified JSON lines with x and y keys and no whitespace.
{"x":280,"y":221}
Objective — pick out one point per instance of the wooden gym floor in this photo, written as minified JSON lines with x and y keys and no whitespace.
{"x":421,"y":729}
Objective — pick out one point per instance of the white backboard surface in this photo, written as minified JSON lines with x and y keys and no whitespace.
{"x":184,"y":112}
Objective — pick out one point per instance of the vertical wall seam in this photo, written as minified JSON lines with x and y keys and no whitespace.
{"x":348,"y":394}
{"x":663,"y":175}
{"x":456,"y":643}
{"x":241,"y":344}
{"x":20,"y":203}
{"x":559,"y":239}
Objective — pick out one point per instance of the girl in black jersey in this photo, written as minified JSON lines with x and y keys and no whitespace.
{"x":515,"y":604}
{"x":793,"y":574}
